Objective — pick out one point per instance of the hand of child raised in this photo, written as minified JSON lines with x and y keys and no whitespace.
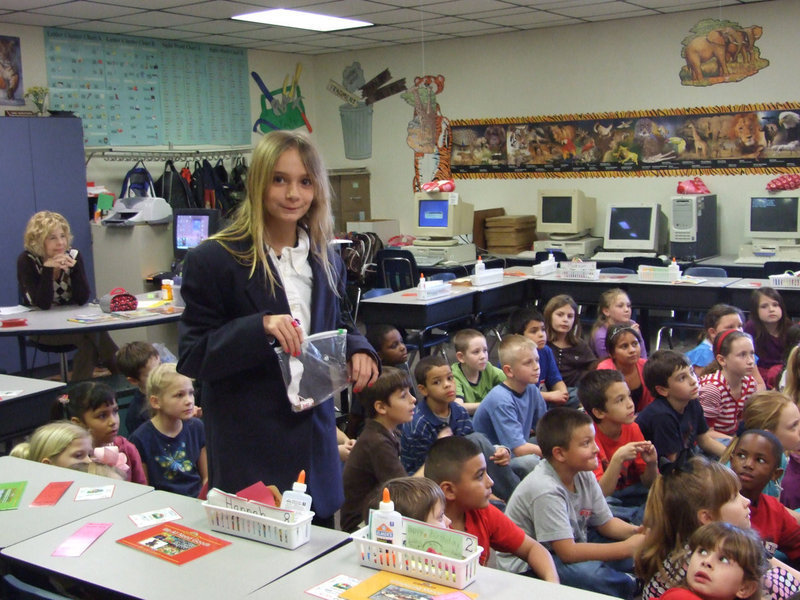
{"x":501,"y":456}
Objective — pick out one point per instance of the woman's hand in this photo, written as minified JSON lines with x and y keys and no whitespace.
{"x":286,"y":331}
{"x":61,"y":262}
{"x":363,"y":370}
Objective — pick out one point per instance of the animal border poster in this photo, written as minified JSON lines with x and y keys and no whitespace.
{"x":741,"y":139}
{"x":133,"y":91}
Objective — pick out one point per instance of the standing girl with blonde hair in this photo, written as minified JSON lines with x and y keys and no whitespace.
{"x":268,"y":280}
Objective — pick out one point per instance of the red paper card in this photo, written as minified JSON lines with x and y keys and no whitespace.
{"x":174,"y":543}
{"x":51,"y":493}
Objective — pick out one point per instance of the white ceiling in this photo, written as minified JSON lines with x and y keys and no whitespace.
{"x":397,"y":22}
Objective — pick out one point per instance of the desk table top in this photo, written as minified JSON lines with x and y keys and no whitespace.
{"x":230,"y":572}
{"x":27,"y":522}
{"x":488,"y":584}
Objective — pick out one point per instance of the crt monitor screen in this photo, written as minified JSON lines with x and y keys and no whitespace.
{"x":556,"y":209}
{"x":433,"y":213}
{"x":630,"y":223}
{"x":774,"y":215}
{"x":191,"y":227}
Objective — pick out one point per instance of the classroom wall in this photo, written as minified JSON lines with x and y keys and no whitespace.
{"x":607,"y":66}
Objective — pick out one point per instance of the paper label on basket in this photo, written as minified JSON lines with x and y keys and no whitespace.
{"x":154,"y":517}
{"x":218,"y":498}
{"x":447,"y":542}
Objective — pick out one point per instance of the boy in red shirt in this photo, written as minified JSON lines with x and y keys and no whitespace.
{"x":459,"y":467}
{"x":756,"y":460}
{"x":627,"y":463}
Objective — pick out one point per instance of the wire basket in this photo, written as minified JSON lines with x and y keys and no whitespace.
{"x":652,"y":273}
{"x":787,"y":279}
{"x":452,"y":572}
{"x":260,"y":528}
{"x":579,"y":270}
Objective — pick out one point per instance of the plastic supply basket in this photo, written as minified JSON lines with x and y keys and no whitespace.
{"x":787,"y":279}
{"x":452,"y":572}
{"x":652,"y":273}
{"x":579,"y":270}
{"x":259,"y":528}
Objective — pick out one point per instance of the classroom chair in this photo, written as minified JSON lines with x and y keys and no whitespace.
{"x":634,"y":262}
{"x":691,"y":320}
{"x":618,"y":271}
{"x":16,"y":589}
{"x":397,"y":269}
{"x":62,"y":350}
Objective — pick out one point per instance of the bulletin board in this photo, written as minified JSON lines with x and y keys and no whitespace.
{"x":715,"y":140}
{"x":132,"y":91}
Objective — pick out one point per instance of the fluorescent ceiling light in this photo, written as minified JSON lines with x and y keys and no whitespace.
{"x":301,"y":20}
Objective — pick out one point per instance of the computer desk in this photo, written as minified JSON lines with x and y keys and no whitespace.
{"x":56,"y":321}
{"x":27,"y":522}
{"x":230,"y":572}
{"x":490,"y":583}
{"x":27,"y":410}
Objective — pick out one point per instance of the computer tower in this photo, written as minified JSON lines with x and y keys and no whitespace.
{"x":693,"y":227}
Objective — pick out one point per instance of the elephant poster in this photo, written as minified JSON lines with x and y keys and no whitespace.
{"x":737,"y":139}
{"x":719,"y":51}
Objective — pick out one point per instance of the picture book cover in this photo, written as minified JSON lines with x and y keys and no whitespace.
{"x":389,"y":586}
{"x":174,"y":543}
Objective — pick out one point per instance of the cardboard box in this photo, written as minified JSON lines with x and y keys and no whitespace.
{"x":385,"y":228}
{"x":511,"y":223}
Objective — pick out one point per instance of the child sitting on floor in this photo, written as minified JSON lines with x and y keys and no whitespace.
{"x":93,"y":406}
{"x":458,"y":466}
{"x":172,"y":443}
{"x":473,"y":372}
{"x":135,"y":360}
{"x":417,"y":498}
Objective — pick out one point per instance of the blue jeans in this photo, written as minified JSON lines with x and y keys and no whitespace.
{"x":598,"y":576}
{"x":505,"y":478}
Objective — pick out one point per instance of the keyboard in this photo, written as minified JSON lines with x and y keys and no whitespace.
{"x":604,"y":256}
{"x":427,"y":261}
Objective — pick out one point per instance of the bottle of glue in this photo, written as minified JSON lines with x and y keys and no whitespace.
{"x":479,"y":266}
{"x":386,"y":524}
{"x":421,"y":284}
{"x":296,"y":498}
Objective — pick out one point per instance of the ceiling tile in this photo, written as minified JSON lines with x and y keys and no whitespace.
{"x":86,"y":10}
{"x":158,"y":19}
{"x":26,"y":18}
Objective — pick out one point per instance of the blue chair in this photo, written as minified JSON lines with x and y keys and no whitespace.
{"x":706,"y":272}
{"x":618,"y":270}
{"x":634,"y":262}
{"x":446,"y":276}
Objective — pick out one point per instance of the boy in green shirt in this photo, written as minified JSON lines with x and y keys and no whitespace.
{"x":473,"y":373}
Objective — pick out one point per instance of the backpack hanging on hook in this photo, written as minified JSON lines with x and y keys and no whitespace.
{"x":137,"y":182}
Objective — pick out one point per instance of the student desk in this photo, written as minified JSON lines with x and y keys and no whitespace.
{"x":56,"y":321}
{"x":26,"y":411}
{"x":490,"y":583}
{"x":404,"y":309}
{"x":740,"y":291}
{"x":230,"y":572}
{"x":27,"y":522}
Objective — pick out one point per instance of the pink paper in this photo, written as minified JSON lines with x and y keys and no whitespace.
{"x":78,"y":542}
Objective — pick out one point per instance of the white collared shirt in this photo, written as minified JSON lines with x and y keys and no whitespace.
{"x":297,"y":278}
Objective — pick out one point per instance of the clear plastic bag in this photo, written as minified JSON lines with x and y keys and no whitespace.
{"x":319,"y":372}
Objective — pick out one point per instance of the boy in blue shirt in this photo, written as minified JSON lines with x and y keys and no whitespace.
{"x":530,"y":323}
{"x":511,"y":410}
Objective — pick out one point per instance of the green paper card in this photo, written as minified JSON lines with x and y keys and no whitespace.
{"x":105,"y":202}
{"x":447,"y":542}
{"x":11,"y":494}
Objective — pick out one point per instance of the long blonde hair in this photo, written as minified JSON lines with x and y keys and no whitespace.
{"x":792,"y":388}
{"x":762,"y":411}
{"x":49,"y":440}
{"x":248,"y":223}
{"x":671,"y":512}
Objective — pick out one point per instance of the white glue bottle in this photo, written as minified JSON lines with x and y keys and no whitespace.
{"x":296,"y":498}
{"x":674,"y":270}
{"x":386,"y":524}
{"x":479,"y":266}
{"x":421,"y":284}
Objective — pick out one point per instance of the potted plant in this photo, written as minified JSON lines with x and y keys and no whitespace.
{"x":38,"y":96}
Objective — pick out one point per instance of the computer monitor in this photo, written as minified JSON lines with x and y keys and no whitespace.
{"x":772,"y":217}
{"x":633,"y":227}
{"x":190,"y":226}
{"x":564,"y":214}
{"x":441,"y":215}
